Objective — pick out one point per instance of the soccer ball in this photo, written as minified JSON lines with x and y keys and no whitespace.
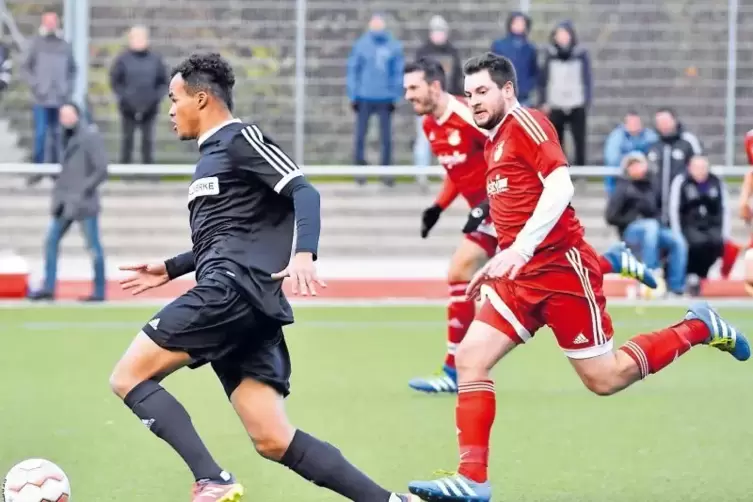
{"x":36,"y":480}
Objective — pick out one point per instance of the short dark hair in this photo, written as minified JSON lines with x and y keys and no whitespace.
{"x":210,"y":73}
{"x":500,"y":69}
{"x":433,"y":70}
{"x":667,"y":109}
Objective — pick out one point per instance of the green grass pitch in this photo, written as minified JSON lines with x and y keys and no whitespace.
{"x":683,"y":435}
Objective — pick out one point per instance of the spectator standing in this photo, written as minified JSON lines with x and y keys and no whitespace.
{"x":670,"y":155}
{"x":628,"y":137}
{"x":439,"y":48}
{"x":138,"y":78}
{"x":516,"y":47}
{"x":374,"y":84}
{"x":567,"y":87}
{"x":75,"y":198}
{"x":49,"y":69}
{"x":634,"y":210}
{"x":699,"y":211}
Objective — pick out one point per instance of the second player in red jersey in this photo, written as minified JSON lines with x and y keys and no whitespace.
{"x":545,"y":274}
{"x":459,"y":146}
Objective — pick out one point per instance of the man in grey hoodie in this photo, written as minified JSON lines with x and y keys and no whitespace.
{"x":49,"y":70}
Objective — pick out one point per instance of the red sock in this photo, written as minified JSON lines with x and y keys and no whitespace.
{"x":474,"y":416}
{"x":460,"y":312}
{"x":729,"y":256}
{"x":655,"y":351}
{"x":605,"y":265}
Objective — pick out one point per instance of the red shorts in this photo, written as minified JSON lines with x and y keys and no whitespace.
{"x":486,"y":237}
{"x":566,"y":295}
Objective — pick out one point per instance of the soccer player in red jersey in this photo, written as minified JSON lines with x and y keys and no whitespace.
{"x":546,"y":274}
{"x":458,"y":144}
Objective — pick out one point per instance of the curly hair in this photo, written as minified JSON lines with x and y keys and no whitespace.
{"x":210,"y":73}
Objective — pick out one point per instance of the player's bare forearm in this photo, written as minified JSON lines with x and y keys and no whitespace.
{"x":556,"y":196}
{"x":747,"y":189}
{"x":181,"y":264}
{"x":307,"y":203}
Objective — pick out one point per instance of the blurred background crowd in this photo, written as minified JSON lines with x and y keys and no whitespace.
{"x":601,"y":73}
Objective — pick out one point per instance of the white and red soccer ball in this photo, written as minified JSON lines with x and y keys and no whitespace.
{"x":36,"y":480}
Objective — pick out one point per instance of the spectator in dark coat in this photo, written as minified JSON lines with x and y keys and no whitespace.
{"x":139,"y":80}
{"x":75,"y":198}
{"x":699,"y":210}
{"x":49,"y":69}
{"x":567,"y":86}
{"x":634,"y":210}
{"x":516,"y":47}
{"x":670,"y":155}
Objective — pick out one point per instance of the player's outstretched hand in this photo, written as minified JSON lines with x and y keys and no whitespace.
{"x":506,"y":263}
{"x":302,"y":273}
{"x":477,"y":215}
{"x":429,"y":218}
{"x":146,"y":276}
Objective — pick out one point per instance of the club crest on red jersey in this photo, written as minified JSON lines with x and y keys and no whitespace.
{"x":498,"y":151}
{"x":453,"y":137}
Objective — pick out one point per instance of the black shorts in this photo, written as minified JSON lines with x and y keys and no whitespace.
{"x":214,"y":323}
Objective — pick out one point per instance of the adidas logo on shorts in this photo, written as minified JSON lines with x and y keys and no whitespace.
{"x":580,"y":339}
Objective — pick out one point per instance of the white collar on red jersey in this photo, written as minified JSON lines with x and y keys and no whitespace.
{"x":493,"y":132}
{"x":213,"y":130}
{"x":452,"y":106}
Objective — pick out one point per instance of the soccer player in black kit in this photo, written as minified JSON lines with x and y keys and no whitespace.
{"x":245,"y":200}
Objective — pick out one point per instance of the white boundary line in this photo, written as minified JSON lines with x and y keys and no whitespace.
{"x":744,"y":302}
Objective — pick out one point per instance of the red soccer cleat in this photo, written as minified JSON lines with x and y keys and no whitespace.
{"x":207,"y":491}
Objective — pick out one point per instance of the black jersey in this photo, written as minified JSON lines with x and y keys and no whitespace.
{"x":242,"y":202}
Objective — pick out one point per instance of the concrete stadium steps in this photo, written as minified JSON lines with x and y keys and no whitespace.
{"x":147,"y":219}
{"x":645,"y":54}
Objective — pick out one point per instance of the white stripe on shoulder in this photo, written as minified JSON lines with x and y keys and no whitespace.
{"x":529,"y":124}
{"x":255,"y":138}
{"x":692,"y":139}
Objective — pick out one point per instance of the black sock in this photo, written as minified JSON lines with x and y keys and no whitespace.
{"x":169,"y":420}
{"x":324,"y":465}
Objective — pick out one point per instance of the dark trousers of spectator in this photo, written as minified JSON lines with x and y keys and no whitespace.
{"x":46,"y":127}
{"x":383,"y":111}
{"x":90,"y":228}
{"x":702,"y":255}
{"x":576,"y":119}
{"x":146,"y":123}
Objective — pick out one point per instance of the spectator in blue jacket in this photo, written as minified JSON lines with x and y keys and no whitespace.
{"x":374,"y":84}
{"x":628,"y":137}
{"x":517,"y":48}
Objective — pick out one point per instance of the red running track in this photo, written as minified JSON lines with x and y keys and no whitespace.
{"x":368,"y":289}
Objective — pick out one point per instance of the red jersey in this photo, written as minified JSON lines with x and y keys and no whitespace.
{"x":459,"y":147}
{"x":520,"y":154}
{"x":749,"y":146}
